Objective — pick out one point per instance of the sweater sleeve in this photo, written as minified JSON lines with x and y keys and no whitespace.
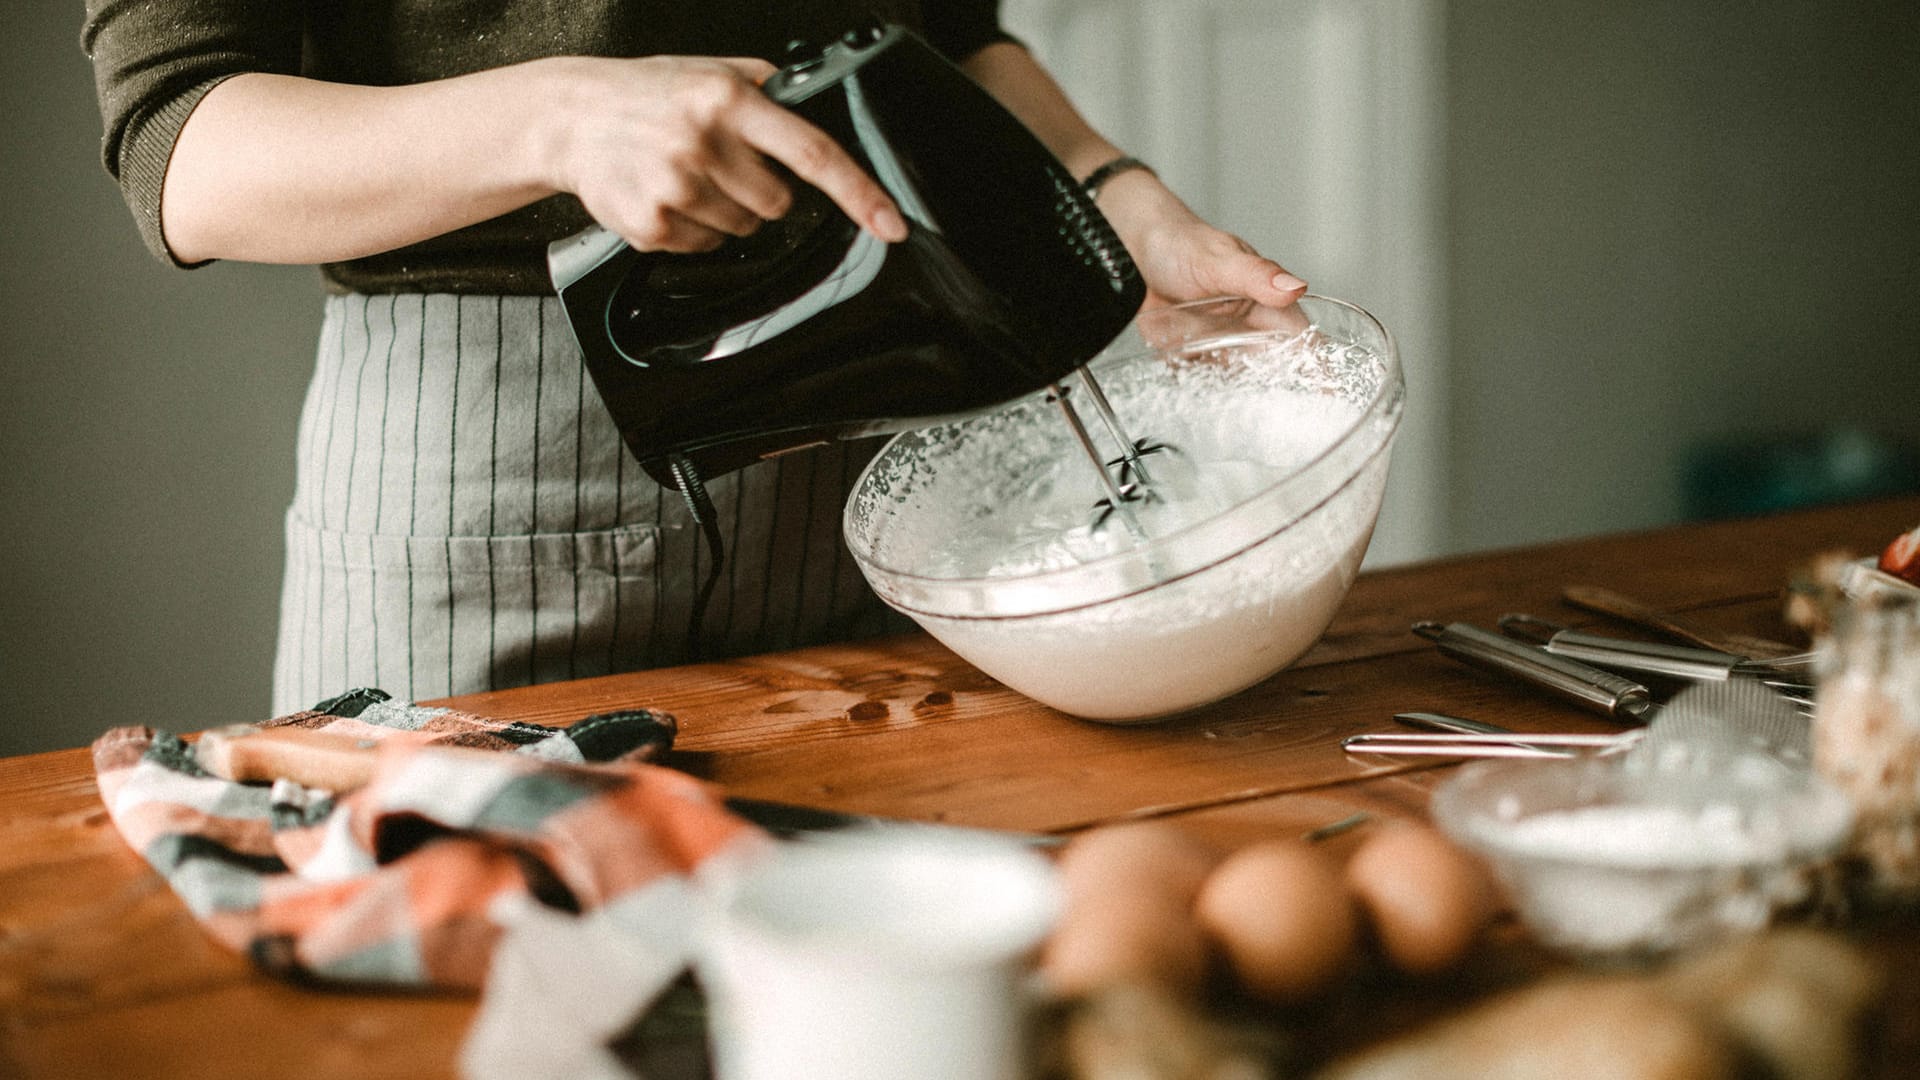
{"x":960,"y":28}
{"x":153,"y":60}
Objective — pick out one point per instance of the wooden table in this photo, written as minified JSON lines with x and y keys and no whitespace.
{"x":103,"y":972}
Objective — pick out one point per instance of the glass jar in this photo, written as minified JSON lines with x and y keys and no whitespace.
{"x":1867,"y":734}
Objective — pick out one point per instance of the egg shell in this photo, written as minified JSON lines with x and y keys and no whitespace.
{"x":1281,"y":918}
{"x":1129,"y":910}
{"x":1426,"y":900}
{"x":1146,"y":858}
{"x":1110,"y":939}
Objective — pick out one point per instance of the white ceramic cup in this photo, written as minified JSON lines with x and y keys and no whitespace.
{"x":877,"y":954}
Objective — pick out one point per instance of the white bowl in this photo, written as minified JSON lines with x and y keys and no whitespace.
{"x":1225,"y":590}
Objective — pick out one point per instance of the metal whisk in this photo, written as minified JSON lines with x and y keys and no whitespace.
{"x":1124,"y":478}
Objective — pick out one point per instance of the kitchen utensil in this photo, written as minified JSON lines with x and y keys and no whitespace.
{"x":1589,"y":687}
{"x":1482,"y":735}
{"x":1486,"y":745}
{"x":1120,"y":491}
{"x":1457,"y":736}
{"x":1607,"y":602}
{"x":1737,"y":713}
{"x":794,"y":820}
{"x":247,"y":753}
{"x":1431,"y":721}
{"x":1658,"y":658}
{"x":976,"y":528}
{"x":1740,"y":713}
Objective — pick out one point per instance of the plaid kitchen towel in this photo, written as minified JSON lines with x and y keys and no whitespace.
{"x":468,"y":826}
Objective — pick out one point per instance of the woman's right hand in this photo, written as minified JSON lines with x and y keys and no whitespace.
{"x":672,"y":153}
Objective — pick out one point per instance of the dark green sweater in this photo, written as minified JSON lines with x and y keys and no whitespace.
{"x":154,"y":59}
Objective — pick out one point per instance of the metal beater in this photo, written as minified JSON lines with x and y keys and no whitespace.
{"x":1129,"y":482}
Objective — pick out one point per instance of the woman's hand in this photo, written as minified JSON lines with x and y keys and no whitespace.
{"x":672,"y":153}
{"x":1181,"y":256}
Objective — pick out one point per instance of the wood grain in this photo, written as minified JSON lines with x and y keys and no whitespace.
{"x":103,"y":973}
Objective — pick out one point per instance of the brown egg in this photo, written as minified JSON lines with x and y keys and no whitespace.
{"x":1114,"y":940}
{"x":1145,"y":857}
{"x":1281,"y":918}
{"x":1426,"y":899}
{"x":1129,"y":910}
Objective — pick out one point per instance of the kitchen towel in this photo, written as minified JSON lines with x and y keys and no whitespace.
{"x":469,"y":827}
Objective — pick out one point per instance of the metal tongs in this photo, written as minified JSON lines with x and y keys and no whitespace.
{"x":1788,"y":674}
{"x":1604,"y":692}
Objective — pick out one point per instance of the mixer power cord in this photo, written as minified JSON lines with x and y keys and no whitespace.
{"x":700,"y":506}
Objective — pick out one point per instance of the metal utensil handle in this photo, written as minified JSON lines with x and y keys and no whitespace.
{"x":1443,"y":726}
{"x":1608,"y":602}
{"x":1475,"y":744}
{"x":1622,"y":654}
{"x":1644,"y":657}
{"x":1474,"y":738}
{"x":1456,"y":750}
{"x":1433,"y":721}
{"x":1584,"y":685}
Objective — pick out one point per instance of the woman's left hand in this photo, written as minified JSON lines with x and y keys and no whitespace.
{"x":1181,"y":256}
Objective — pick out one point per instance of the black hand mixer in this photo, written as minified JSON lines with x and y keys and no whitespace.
{"x":812,"y":329}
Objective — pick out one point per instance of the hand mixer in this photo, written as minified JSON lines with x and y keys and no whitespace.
{"x":812,"y":330}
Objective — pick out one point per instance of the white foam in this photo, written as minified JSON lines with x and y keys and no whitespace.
{"x":1010,"y":498}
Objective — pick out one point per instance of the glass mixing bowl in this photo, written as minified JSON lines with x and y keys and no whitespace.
{"x":1281,"y":424}
{"x":1629,"y":856}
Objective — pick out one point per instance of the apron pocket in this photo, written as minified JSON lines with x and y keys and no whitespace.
{"x":427,"y":616}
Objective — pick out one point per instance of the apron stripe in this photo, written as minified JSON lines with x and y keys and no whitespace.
{"x":515,"y":547}
{"x":413,"y":495}
{"x":453,"y":476}
{"x":533,"y":492}
{"x":579,"y":451}
{"x":493,"y":489}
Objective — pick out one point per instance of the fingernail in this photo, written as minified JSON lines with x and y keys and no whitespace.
{"x":1286,"y":282}
{"x":888,"y":225}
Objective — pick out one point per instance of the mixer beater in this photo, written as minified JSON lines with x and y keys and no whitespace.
{"x":1132,"y":484}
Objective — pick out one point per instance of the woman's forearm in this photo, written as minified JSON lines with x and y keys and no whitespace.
{"x":1017,"y":81}
{"x":1181,"y":256}
{"x":272,"y":168}
{"x":1135,"y":202}
{"x":671,"y":152}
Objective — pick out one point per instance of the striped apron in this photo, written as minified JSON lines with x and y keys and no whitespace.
{"x":466,"y":518}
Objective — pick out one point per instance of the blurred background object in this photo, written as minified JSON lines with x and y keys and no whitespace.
{"x":1645,"y":262}
{"x":1740,"y":476}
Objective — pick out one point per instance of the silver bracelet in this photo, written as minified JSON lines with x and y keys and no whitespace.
{"x":1098,"y":178}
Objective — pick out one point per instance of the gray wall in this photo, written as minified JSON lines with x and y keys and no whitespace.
{"x":1664,"y":228}
{"x":145,"y":430}
{"x":1671,"y":223}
